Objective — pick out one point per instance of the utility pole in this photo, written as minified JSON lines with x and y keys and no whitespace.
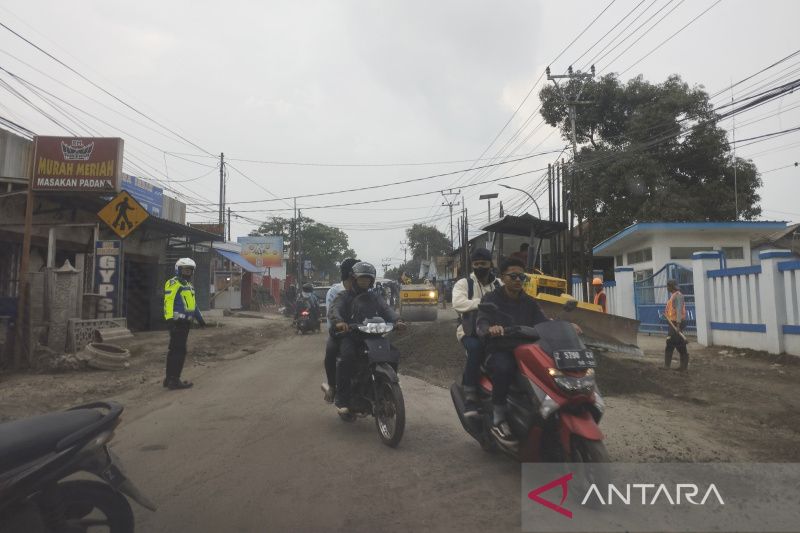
{"x":229,"y":224}
{"x":385,"y":263}
{"x":572,"y":104}
{"x":222,"y":190}
{"x":300,"y":261}
{"x":404,"y":247}
{"x":449,"y":198}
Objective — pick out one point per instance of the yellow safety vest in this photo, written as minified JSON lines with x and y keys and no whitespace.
{"x":179,"y":300}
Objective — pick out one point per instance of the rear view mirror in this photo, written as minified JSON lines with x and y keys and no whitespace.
{"x":488,"y":307}
{"x":570,"y":305}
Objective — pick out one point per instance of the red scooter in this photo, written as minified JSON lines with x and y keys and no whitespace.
{"x":554,"y":405}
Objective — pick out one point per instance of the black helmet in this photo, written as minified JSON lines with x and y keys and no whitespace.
{"x":363,"y":269}
{"x":346,"y":267}
{"x":307,"y":287}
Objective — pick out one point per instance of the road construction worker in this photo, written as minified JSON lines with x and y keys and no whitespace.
{"x":180,"y":308}
{"x":675,"y":313}
{"x":599,"y":294}
{"x":467,"y":294}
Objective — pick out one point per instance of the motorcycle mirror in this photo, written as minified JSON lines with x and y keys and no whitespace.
{"x":570,"y":305}
{"x":488,"y":307}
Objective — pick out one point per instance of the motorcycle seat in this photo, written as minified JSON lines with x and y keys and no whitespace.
{"x":26,"y":439}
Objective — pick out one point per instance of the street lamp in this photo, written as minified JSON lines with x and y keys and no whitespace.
{"x":538,"y":211}
{"x":531,"y":260}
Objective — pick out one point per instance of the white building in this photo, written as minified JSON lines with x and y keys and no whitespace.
{"x":647,"y":246}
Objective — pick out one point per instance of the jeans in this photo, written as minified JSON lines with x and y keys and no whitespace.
{"x":475,"y":353}
{"x":176,"y":353}
{"x":503,"y":367}
{"x":345,"y":367}
{"x":331,"y":352}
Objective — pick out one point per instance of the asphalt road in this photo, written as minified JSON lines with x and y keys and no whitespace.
{"x":252,"y":447}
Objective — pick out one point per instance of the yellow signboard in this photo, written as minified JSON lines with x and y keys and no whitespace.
{"x":123,"y":214}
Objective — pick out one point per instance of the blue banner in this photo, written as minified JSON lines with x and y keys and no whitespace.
{"x":147,"y":194}
{"x":106,"y":277}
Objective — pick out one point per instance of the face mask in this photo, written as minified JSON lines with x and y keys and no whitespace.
{"x":481,"y":273}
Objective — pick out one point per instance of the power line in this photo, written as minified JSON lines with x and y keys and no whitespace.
{"x":54,"y":58}
{"x":662,"y":43}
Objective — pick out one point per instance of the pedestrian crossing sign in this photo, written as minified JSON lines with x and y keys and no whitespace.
{"x":123,"y":214}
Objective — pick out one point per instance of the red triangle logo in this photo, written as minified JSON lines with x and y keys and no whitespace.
{"x":563,"y":482}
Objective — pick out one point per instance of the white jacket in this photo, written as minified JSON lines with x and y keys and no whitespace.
{"x":462,"y":304}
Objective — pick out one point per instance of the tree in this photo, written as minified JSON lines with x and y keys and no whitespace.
{"x":325,"y":246}
{"x":424,"y":241}
{"x":651,"y":152}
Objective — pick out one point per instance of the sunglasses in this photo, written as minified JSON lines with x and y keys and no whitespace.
{"x":521,"y":276}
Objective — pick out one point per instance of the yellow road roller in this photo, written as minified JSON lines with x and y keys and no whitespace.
{"x":419,"y":302}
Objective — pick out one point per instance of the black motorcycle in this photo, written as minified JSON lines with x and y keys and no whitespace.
{"x":37,"y":454}
{"x":306,"y":322}
{"x":375,"y":385}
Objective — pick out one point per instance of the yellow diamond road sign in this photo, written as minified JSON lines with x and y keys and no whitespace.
{"x":123,"y":214}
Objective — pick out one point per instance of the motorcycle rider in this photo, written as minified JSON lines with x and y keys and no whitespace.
{"x":332,"y":346}
{"x":467,"y":294}
{"x":343,"y":312}
{"x":179,"y":310}
{"x":523,"y":310}
{"x":307,"y":300}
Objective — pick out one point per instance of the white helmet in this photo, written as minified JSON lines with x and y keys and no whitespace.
{"x":184,"y":262}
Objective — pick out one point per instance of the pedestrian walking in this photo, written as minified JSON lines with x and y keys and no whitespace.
{"x":675,"y":313}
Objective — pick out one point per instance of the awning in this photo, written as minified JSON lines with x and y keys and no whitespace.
{"x":239,"y":260}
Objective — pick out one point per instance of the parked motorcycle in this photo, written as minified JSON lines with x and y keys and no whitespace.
{"x":554,"y":405}
{"x":38,"y":453}
{"x":375,"y":385}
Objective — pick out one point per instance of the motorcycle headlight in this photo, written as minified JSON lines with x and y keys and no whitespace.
{"x":376,"y":328}
{"x":573,"y":384}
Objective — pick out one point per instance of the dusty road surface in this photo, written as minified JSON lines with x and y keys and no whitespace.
{"x":254,"y":448}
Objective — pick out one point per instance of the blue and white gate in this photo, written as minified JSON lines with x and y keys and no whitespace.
{"x":650,"y":296}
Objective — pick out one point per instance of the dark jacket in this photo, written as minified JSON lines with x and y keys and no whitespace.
{"x":524,"y":311}
{"x":344,"y":309}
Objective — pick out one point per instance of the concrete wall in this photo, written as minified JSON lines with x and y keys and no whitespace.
{"x":755,"y":307}
{"x":661,"y":244}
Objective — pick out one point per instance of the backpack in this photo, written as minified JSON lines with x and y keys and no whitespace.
{"x":468,"y":320}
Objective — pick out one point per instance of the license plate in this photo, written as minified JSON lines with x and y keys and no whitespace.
{"x":574,"y":359}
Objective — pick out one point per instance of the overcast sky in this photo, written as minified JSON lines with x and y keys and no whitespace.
{"x":373,"y":83}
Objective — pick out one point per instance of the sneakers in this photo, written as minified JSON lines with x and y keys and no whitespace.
{"x":329,"y":391}
{"x":470,"y":408}
{"x":502,"y":432}
{"x":344,"y":410}
{"x":177,"y":384}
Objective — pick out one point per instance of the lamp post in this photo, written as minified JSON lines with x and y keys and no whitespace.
{"x":531,"y":260}
{"x":538,"y":211}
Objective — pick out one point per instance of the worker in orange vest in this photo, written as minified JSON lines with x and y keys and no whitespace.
{"x":599,"y":294}
{"x":675,"y":313}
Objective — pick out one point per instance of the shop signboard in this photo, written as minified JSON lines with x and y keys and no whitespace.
{"x":77,"y":164}
{"x":147,"y":194}
{"x":106,"y":276}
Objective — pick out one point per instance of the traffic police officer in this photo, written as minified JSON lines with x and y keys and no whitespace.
{"x":179,"y":310}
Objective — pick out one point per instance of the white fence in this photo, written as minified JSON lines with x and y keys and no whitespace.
{"x":750,"y":307}
{"x":619,"y":292}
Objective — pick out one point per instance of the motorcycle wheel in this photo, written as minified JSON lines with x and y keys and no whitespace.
{"x":92,"y":504}
{"x":592,"y":453}
{"x":390,"y":412}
